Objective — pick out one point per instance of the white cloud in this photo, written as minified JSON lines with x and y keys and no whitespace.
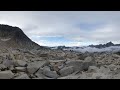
{"x":66,"y":23}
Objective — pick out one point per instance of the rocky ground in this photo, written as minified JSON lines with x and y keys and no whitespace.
{"x":58,"y":64}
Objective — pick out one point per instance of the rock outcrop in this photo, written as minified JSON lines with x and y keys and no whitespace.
{"x":14,"y":37}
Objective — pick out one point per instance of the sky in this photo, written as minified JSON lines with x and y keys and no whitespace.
{"x":69,"y":28}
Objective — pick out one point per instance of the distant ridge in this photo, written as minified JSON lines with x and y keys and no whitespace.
{"x":14,"y":37}
{"x":104,"y":45}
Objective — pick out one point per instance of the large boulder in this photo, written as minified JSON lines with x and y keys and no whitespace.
{"x":50,"y":74}
{"x":6,"y":75}
{"x":8,"y":63}
{"x":47,"y":72}
{"x":20,"y":63}
{"x":88,"y":62}
{"x":77,"y":64}
{"x":34,"y":66}
{"x":93,"y":69}
{"x":2,"y":67}
{"x":66,"y":71}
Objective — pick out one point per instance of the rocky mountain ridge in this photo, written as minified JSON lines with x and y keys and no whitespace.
{"x":14,"y":37}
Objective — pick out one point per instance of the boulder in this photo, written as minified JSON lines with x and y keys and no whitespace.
{"x":50,"y":74}
{"x":93,"y":69}
{"x":23,"y":76}
{"x":20,"y":63}
{"x":8,"y":63}
{"x":104,"y":70}
{"x":77,"y":64}
{"x":6,"y":75}
{"x":2,"y":67}
{"x":88,"y":62}
{"x":22,"y":69}
{"x":34,"y":66}
{"x":66,"y":71}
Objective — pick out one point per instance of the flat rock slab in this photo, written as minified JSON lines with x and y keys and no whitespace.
{"x":34,"y":66}
{"x":6,"y":75}
{"x":66,"y":71}
{"x":77,"y":65}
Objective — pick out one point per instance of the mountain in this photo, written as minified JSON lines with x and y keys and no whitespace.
{"x":104,"y":45}
{"x":14,"y":37}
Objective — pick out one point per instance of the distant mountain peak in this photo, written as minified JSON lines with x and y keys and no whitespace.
{"x":104,"y":45}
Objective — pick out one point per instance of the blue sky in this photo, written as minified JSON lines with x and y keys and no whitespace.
{"x":70,"y":28}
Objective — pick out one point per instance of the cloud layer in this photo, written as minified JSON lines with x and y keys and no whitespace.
{"x":71,"y":28}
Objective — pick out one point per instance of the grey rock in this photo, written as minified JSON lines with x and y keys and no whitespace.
{"x":22,"y":69}
{"x":6,"y":75}
{"x":46,"y":68}
{"x":23,"y":76}
{"x":88,"y":62}
{"x":20,"y":63}
{"x":93,"y":69}
{"x":104,"y":70}
{"x":8,"y":63}
{"x":34,"y":66}
{"x":2,"y":67}
{"x":69,"y":77}
{"x":50,"y":74}
{"x":66,"y":71}
{"x":77,"y":64}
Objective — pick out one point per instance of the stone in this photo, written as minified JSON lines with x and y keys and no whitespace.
{"x":23,"y":76}
{"x":93,"y":69}
{"x":112,"y":67}
{"x":6,"y":75}
{"x":22,"y":69}
{"x":88,"y":62}
{"x":2,"y":67}
{"x":11,"y":67}
{"x":88,"y":59}
{"x":20,"y":63}
{"x":34,"y":66}
{"x":104,"y":70}
{"x":46,"y":68}
{"x":47,"y":72}
{"x":37,"y":78}
{"x":66,"y":71}
{"x":100,"y":76}
{"x":8,"y":63}
{"x":50,"y":74}
{"x":77,"y":64}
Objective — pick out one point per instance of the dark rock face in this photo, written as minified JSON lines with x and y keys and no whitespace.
{"x":14,"y":37}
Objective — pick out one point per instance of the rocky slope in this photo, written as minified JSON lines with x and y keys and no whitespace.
{"x":14,"y":37}
{"x":58,"y":64}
